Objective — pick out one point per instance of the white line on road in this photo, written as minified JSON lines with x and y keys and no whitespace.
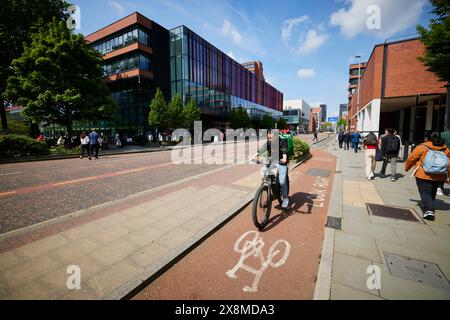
{"x":8,"y":174}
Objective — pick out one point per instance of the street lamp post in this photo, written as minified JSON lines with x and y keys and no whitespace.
{"x":359,"y":79}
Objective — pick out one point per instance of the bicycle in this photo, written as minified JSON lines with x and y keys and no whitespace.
{"x":267,"y":192}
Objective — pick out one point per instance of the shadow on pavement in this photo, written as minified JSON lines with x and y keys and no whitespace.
{"x":297,"y":200}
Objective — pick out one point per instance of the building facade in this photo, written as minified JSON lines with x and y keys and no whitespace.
{"x":139,"y":56}
{"x":355,"y":72}
{"x":219,"y":84}
{"x":297,"y":115}
{"x":343,"y":110}
{"x":396,"y":90}
{"x":323,"y":112}
{"x":315,"y":119}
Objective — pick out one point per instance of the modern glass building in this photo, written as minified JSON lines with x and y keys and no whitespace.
{"x":200,"y":71}
{"x":139,"y":56}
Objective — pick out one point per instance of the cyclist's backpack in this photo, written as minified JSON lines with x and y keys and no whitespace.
{"x":290,"y":143}
{"x":436,"y":162}
{"x":371,"y":139}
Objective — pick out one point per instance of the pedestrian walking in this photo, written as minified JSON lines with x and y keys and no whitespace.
{"x":315,"y":137}
{"x":370,"y":145}
{"x":160,"y":139}
{"x":432,"y":168}
{"x":341,"y":139}
{"x":150,"y":137}
{"x":347,"y":140}
{"x":390,"y":147}
{"x":40,"y":138}
{"x":94,"y":144}
{"x":117,"y":141}
{"x":401,"y":144}
{"x":445,"y":135}
{"x":355,"y":138}
{"x":84,"y":147}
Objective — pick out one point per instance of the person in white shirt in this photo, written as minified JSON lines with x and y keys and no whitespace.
{"x":84,"y":138}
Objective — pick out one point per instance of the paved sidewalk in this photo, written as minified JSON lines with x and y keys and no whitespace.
{"x":365,"y":239}
{"x":120,"y":244}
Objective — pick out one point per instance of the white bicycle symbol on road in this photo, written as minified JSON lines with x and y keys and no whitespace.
{"x":251,"y":244}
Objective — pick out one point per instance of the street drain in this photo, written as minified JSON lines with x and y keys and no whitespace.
{"x":392,"y":212}
{"x":418,"y":271}
{"x":318,"y":172}
{"x":333,"y":222}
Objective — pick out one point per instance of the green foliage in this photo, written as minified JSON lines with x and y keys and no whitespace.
{"x":18,"y":126}
{"x":20,"y":18}
{"x":58,"y":79}
{"x":157,"y":116}
{"x":175,"y":112}
{"x":437,"y":40}
{"x":61,"y":150}
{"x":282,"y":124}
{"x":300,"y":149}
{"x":267,"y":122}
{"x":239,"y":118}
{"x":18,"y":145}
{"x":341,"y":122}
{"x":191,"y":114}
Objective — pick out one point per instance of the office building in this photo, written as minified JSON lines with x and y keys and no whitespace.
{"x":396,"y":90}
{"x":297,"y":115}
{"x":139,"y":56}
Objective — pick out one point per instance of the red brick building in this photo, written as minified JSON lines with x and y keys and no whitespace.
{"x":397,"y":91}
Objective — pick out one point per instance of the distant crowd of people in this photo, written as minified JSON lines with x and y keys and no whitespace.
{"x":430,"y":159}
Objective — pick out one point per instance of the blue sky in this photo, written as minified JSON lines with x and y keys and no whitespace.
{"x":305,"y":45}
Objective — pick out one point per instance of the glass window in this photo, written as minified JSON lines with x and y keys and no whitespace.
{"x":135,"y":35}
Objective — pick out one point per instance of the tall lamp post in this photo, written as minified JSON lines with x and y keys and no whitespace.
{"x":359,"y":79}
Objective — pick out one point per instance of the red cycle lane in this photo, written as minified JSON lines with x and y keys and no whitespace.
{"x":240,"y":262}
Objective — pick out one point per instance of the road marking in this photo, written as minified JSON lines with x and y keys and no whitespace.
{"x":11,"y":173}
{"x":74,"y":181}
{"x":253,"y":248}
{"x":7,"y":193}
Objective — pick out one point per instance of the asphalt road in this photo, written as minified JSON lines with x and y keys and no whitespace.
{"x":33,"y":192}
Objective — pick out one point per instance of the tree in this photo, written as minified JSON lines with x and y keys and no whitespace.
{"x":191,"y":114}
{"x":175,"y":114}
{"x":267,"y":122}
{"x":282,"y":124}
{"x":437,"y":43}
{"x":58,"y":79}
{"x":239,"y":118}
{"x":341,"y":123}
{"x":326,"y":125}
{"x":20,"y":18}
{"x":158,"y":111}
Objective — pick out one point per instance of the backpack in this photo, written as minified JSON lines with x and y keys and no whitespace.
{"x":392,"y":144}
{"x":436,"y":162}
{"x":371,"y":139}
{"x":290,"y":143}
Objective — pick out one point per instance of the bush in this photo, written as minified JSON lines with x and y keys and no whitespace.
{"x":61,"y":150}
{"x":20,"y":146}
{"x":300,"y":149}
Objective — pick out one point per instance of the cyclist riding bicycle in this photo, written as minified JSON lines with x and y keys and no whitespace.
{"x":281,"y":165}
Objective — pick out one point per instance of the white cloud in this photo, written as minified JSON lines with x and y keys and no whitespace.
{"x":306,"y":73}
{"x":395,"y":16}
{"x":313,"y":41}
{"x":230,"y":31}
{"x":120,"y":10}
{"x":289,"y":24}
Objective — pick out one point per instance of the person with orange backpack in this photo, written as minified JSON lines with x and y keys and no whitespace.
{"x":431,"y":160}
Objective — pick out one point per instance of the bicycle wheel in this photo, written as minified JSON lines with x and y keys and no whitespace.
{"x":262,"y":205}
